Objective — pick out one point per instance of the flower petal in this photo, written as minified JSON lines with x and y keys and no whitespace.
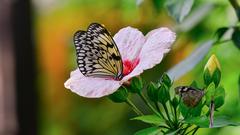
{"x":158,"y":42}
{"x":130,"y":42}
{"x":90,"y":87}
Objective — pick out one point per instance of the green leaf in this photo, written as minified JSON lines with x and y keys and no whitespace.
{"x":194,"y":85}
{"x":172,"y":132}
{"x":219,"y":97}
{"x":151,"y":119}
{"x":201,"y":121}
{"x":207,"y":77}
{"x":179,"y":9}
{"x":218,"y":121}
{"x":236,"y":7}
{"x":174,"y":102}
{"x":210,"y":92}
{"x":152,"y":92}
{"x":236,"y":37}
{"x":188,"y":112}
{"x":220,"y":32}
{"x":163,"y":94}
{"x":218,"y":94}
{"x":149,"y":131}
{"x":216,"y":77}
{"x":136,"y":85}
{"x":166,"y":80}
{"x":120,"y":95}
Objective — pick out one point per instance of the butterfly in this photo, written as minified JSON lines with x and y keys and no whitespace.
{"x":97,"y":53}
{"x":190,"y":96}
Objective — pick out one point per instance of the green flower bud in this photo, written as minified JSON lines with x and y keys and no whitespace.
{"x":152,"y":92}
{"x":166,"y":80}
{"x":163,"y":94}
{"x":212,"y":71}
{"x":120,"y":95}
{"x":136,"y":85}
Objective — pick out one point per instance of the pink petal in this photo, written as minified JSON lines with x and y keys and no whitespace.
{"x":158,"y":42}
{"x":129,"y":41}
{"x":90,"y":87}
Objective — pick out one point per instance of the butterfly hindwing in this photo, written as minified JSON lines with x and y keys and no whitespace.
{"x":97,"y":53}
{"x":190,"y":96}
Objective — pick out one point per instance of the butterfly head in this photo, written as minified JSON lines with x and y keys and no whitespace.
{"x":118,"y":77}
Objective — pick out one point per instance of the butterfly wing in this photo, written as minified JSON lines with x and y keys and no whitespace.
{"x":97,"y":53}
{"x":190,"y":96}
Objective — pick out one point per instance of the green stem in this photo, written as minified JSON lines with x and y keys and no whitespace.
{"x":148,"y":104}
{"x":158,"y":109}
{"x":175,"y":113}
{"x":135,"y":109}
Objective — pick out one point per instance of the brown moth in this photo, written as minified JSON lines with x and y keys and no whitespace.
{"x":190,"y":96}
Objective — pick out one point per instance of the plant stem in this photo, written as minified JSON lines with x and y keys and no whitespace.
{"x":211,"y":113}
{"x":148,"y":104}
{"x":134,"y":108}
{"x":158,"y":109}
{"x":175,"y":113}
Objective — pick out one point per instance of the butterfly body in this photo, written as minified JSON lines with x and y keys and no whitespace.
{"x":97,"y":53}
{"x":190,"y":96}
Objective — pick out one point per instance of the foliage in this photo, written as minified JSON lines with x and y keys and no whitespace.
{"x":173,"y":115}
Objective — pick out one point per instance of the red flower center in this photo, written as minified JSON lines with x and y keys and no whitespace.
{"x":128,"y":66}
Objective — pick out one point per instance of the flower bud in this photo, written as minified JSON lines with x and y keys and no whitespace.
{"x":166,"y":80}
{"x":120,"y":95}
{"x":136,"y":85}
{"x":163,"y":94}
{"x":152,"y":92}
{"x":212,"y":71}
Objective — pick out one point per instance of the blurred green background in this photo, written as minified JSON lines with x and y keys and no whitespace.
{"x":65,"y":113}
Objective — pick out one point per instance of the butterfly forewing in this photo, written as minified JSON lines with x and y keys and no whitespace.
{"x":97,"y":53}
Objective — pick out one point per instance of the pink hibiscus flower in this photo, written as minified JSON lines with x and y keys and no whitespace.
{"x":138,"y":53}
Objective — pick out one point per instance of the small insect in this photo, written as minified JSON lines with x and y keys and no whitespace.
{"x":97,"y":53}
{"x":190,"y":96}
